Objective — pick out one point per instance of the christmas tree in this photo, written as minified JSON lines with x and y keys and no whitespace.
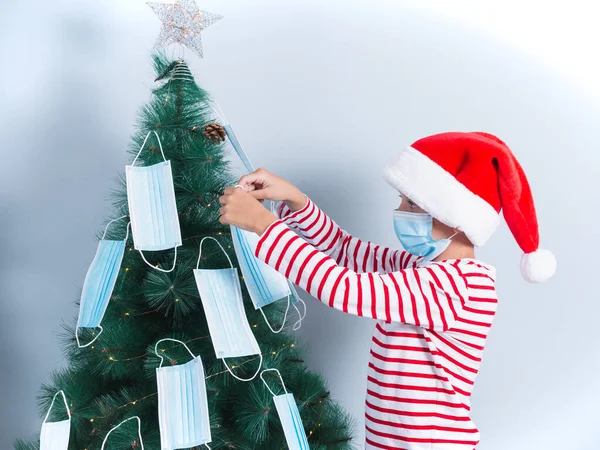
{"x":111,"y":375}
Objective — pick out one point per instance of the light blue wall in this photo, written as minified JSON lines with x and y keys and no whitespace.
{"x":321,"y":93}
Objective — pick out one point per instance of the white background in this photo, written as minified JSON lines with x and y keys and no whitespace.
{"x":323,"y":93}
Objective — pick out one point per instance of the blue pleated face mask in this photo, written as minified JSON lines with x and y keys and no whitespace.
{"x":289,"y":416}
{"x":414,"y":232}
{"x":152,"y":207}
{"x":265,"y":285}
{"x":183,"y":415}
{"x":55,"y":435}
{"x":99,"y":283}
{"x":221,"y":296}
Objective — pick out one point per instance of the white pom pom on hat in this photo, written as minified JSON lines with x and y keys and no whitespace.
{"x":465,"y":180}
{"x":538,"y":266}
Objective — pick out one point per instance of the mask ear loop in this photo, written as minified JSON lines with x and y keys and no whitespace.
{"x":162,"y":360}
{"x":158,"y":268}
{"x":128,"y":228}
{"x":165,"y":159}
{"x":126,"y":420}
{"x":301,"y":316}
{"x":114,"y":220}
{"x":89,"y":343}
{"x":52,"y":404}
{"x":244,"y":379}
{"x":200,"y":252}
{"x":268,"y":387}
{"x":284,"y":317}
{"x":144,"y":144}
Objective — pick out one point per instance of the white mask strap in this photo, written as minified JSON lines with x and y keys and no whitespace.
{"x":126,"y":420}
{"x":114,"y":220}
{"x":128,"y":227}
{"x":282,"y":383}
{"x":158,"y":268}
{"x":200,"y":254}
{"x":284,"y":317}
{"x":142,"y":147}
{"x":52,"y":404}
{"x":89,"y":343}
{"x":173,"y":340}
{"x":218,"y":112}
{"x":301,"y":316}
{"x":245,"y":379}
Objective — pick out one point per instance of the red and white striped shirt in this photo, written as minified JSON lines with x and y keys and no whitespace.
{"x":432,"y":323}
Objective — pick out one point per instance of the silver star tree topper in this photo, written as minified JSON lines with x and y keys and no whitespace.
{"x":183,"y":23}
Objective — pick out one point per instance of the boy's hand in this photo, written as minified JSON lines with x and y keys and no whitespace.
{"x":264,"y":185}
{"x":244,"y":211}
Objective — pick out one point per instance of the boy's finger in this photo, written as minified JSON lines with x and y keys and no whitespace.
{"x":253,"y":178}
{"x":260,"y":194}
{"x":248,"y":180}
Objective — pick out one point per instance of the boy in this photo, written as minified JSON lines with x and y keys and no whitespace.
{"x":434,"y":302}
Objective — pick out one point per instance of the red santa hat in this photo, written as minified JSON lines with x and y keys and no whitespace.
{"x":465,"y":180}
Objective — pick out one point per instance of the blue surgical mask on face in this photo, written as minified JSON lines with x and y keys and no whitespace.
{"x":414,"y":232}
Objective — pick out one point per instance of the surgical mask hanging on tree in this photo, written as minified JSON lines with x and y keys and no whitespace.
{"x":414,"y":233}
{"x":55,"y":435}
{"x":133,"y":445}
{"x":289,"y":416}
{"x":235,"y":143}
{"x":182,"y":403}
{"x":152,"y":206}
{"x":99,"y":283}
{"x":221,"y":296}
{"x":265,"y":285}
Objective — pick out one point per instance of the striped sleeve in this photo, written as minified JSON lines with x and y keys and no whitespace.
{"x":431,"y":297}
{"x":319,"y":230}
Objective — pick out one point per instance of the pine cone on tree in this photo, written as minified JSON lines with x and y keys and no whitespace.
{"x":214,"y":132}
